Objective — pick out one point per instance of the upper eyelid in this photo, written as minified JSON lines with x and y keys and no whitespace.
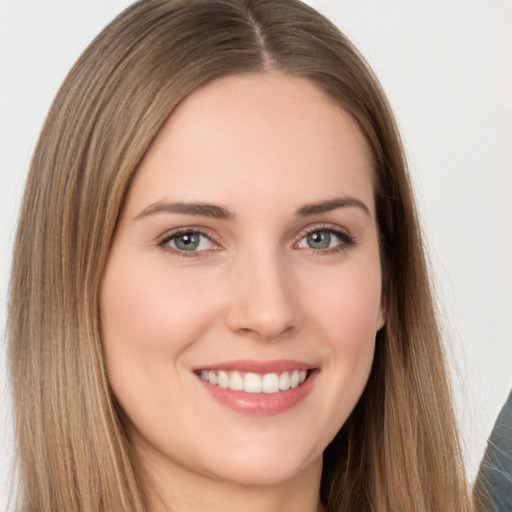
{"x":217,"y":240}
{"x":323,"y":227}
{"x":347,"y":238}
{"x":208,"y":232}
{"x":163,"y":242}
{"x":170,"y":233}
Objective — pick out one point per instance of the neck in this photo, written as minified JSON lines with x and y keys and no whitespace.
{"x":179,"y":490}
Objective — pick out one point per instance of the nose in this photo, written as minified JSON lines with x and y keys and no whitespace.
{"x":264,"y":303}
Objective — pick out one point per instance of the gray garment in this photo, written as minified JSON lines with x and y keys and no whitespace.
{"x":493,"y":487}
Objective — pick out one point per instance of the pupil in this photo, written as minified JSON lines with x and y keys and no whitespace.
{"x":319,"y":240}
{"x":187,"y":242}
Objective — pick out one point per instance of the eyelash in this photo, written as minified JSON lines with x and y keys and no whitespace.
{"x":346,"y":241}
{"x":189,"y":230}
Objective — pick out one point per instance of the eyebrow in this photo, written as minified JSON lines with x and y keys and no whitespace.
{"x":333,"y":204}
{"x":201,"y":209}
{"x":214,"y":211}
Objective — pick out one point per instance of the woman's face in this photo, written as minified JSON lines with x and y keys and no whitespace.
{"x":242,"y":294}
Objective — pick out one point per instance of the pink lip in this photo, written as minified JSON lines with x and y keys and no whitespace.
{"x":261,"y":404}
{"x":261,"y":367}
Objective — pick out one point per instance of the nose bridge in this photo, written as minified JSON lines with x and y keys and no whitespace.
{"x":263,"y":301}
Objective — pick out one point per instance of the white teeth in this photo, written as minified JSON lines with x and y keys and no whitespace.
{"x":236,"y":382}
{"x":284,"y":381}
{"x":254,"y":382}
{"x":270,"y":383}
{"x":294,"y":379}
{"x":223,"y":380}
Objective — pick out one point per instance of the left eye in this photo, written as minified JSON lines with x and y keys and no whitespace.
{"x":321,"y":239}
{"x":189,"y":241}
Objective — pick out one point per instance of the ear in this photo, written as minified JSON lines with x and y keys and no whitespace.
{"x":381,"y":318}
{"x":384,"y":295}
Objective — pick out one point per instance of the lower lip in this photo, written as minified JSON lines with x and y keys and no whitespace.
{"x":262,"y":404}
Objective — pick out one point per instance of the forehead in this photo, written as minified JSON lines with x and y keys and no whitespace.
{"x":264,"y":137}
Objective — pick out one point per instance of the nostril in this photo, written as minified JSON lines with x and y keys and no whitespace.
{"x":263,"y":304}
{"x":265,"y":333}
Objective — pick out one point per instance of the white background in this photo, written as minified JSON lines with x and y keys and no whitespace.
{"x":447,"y":68}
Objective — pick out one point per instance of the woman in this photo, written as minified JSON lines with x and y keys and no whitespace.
{"x":219,"y":297}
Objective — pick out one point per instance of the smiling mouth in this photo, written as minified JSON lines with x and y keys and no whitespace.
{"x":251,"y":382}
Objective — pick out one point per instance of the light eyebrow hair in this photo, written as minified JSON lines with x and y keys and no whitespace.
{"x":332,"y":204}
{"x":201,"y":209}
{"x":214,"y":211}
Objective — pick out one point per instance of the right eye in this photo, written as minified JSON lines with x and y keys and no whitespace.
{"x":188,"y":241}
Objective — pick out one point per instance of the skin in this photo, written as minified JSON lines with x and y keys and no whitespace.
{"x":261,"y":147}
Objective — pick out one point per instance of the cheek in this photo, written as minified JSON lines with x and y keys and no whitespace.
{"x":148,"y":321}
{"x":347,"y":303}
{"x":348,"y":314}
{"x":146,"y":311}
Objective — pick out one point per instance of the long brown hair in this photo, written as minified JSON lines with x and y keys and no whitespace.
{"x":398,"y":451}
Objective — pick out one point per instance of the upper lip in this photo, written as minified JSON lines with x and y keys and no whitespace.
{"x":262,"y":367}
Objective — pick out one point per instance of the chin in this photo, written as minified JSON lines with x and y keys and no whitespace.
{"x":264,"y":466}
{"x":264,"y":474}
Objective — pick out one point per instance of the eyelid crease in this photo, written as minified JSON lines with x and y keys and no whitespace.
{"x":163,"y":240}
{"x":325,"y":226}
{"x":347,"y":240}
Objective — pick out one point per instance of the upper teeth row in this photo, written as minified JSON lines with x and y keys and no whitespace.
{"x":254,"y":382}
